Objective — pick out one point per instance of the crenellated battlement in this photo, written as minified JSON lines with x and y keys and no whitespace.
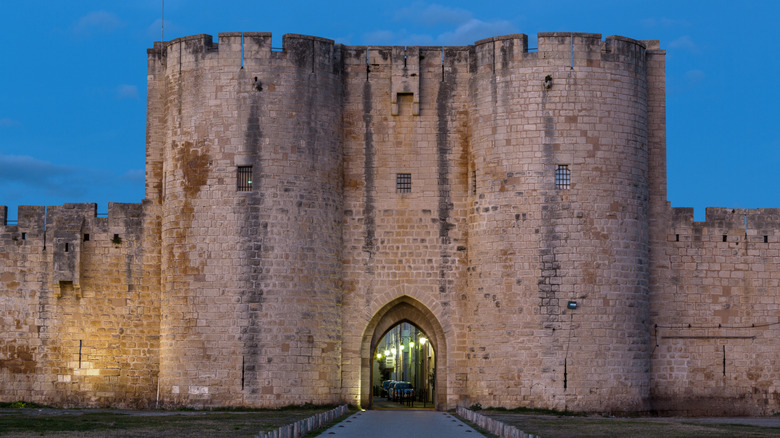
{"x":62,"y":231}
{"x":246,"y":48}
{"x":33,"y":220}
{"x":561,"y":49}
{"x":759,"y":225}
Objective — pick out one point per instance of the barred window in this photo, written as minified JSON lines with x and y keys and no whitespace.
{"x":563,"y":177}
{"x":244,"y":179}
{"x":403,"y":183}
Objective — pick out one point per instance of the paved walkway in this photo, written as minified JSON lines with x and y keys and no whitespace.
{"x":406,"y":424}
{"x":381,"y":403}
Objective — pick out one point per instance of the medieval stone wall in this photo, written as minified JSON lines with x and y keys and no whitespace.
{"x":301,"y":202}
{"x":80,"y":300}
{"x":405,"y":112}
{"x":535,"y":246}
{"x":716,"y":314}
{"x":250,"y":291}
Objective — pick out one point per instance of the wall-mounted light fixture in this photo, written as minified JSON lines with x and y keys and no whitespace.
{"x":548,"y":82}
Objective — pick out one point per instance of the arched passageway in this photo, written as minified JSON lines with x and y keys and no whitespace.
{"x":403,"y":310}
{"x":405,"y":356}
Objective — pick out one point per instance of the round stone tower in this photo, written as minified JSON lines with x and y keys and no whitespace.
{"x":558,"y":240}
{"x":245,"y":161}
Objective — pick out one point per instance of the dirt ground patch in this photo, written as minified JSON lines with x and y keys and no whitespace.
{"x":120,"y":423}
{"x":552,"y":426}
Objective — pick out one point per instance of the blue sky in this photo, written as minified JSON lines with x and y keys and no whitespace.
{"x":73,"y":81}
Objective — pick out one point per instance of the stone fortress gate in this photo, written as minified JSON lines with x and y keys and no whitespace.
{"x":510,"y":203}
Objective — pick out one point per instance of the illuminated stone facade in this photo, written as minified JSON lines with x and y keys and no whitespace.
{"x":302,"y":202}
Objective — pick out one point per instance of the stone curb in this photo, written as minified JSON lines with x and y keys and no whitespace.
{"x":493,"y":426}
{"x":302,"y":427}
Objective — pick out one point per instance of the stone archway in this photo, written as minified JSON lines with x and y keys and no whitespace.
{"x":403,"y":309}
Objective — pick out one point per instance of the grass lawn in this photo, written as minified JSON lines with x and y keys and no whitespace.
{"x":554,"y":426}
{"x":27,"y":422}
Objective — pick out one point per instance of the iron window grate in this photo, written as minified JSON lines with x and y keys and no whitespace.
{"x":403,"y":183}
{"x":244,"y":179}
{"x":563,"y":177}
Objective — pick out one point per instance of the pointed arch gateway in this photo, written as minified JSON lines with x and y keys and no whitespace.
{"x":403,"y":309}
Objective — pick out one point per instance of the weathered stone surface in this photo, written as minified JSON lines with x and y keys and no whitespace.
{"x":207,"y":295}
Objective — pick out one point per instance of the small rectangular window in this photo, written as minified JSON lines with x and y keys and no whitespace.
{"x":676,"y":237}
{"x":562,"y":177}
{"x":24,"y":236}
{"x":86,"y":237}
{"x":766,"y":239}
{"x":403,"y":183}
{"x":244,"y":179}
{"x":66,"y":247}
{"x":725,"y":237}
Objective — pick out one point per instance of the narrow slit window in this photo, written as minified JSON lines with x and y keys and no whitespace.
{"x":86,"y":237}
{"x":24,"y":236}
{"x":66,"y":247}
{"x":563,"y":177}
{"x":766,"y":239}
{"x":676,"y":237}
{"x":244,"y":179}
{"x":473,"y":182}
{"x":403,"y":183}
{"x":725,"y":237}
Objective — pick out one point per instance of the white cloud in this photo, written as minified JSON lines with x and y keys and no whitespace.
{"x":344,"y":39}
{"x":23,"y":176}
{"x":465,"y":34}
{"x":694,"y":76}
{"x":447,"y":25}
{"x":97,"y":22}
{"x":125,"y":91}
{"x":664,"y":22}
{"x":685,"y":42}
{"x":43,"y":176}
{"x":133,"y":176}
{"x":475,"y":30}
{"x":172,"y":30}
{"x":399,"y":38}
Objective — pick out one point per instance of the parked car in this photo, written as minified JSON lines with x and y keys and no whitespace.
{"x":390,"y":387}
{"x":402,"y":391}
{"x":385,"y":387}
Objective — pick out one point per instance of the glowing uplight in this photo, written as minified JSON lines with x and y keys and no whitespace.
{"x":387,"y":352}
{"x":423,"y":341}
{"x":379,"y":355}
{"x":411,"y":344}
